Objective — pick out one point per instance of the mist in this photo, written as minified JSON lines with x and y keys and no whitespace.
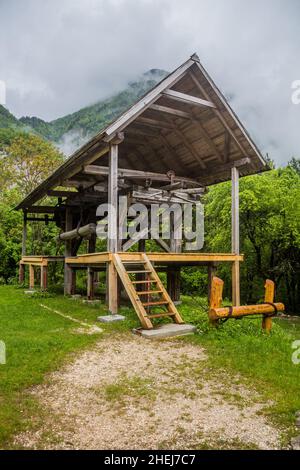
{"x":58,"y":56}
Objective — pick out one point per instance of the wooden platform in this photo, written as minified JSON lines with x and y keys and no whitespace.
{"x":159,"y":258}
{"x":40,"y":262}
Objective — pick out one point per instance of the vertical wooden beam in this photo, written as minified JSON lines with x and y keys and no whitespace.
{"x":21,"y":273}
{"x":269,"y":297}
{"x":211,"y":272}
{"x":31,"y":276}
{"x":90,"y":271}
{"x":90,"y":283}
{"x":173,"y":273}
{"x":68,"y":252}
{"x":113,"y":198}
{"x":44,"y":277}
{"x":24,"y":234}
{"x":112,"y":242}
{"x":235,"y":235}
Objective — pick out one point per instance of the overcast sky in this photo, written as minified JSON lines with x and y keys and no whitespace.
{"x":57,"y":56}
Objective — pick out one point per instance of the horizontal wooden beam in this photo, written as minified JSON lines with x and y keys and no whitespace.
{"x":41,"y":209}
{"x":172,"y":111}
{"x":136,"y":174}
{"x":178,"y":96}
{"x":60,"y":193}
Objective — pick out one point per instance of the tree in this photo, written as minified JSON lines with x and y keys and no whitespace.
{"x":26,"y":162}
{"x":270,"y":231}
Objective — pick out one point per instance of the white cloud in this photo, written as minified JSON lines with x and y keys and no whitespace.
{"x":59,"y":55}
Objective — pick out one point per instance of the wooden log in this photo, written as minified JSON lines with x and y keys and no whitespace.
{"x":269,"y":297}
{"x":81,"y":232}
{"x":244,"y":310}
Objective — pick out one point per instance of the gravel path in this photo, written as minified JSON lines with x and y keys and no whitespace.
{"x":132,"y":393}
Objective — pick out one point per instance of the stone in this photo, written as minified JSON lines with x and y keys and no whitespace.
{"x":76,"y":296}
{"x":297,"y":423}
{"x":91,"y":302}
{"x":295,"y":443}
{"x":297,"y":414}
{"x":166,"y":331}
{"x":29,"y":292}
{"x":111,"y":318}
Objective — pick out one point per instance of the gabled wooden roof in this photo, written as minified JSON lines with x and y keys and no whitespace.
{"x":183,"y":124}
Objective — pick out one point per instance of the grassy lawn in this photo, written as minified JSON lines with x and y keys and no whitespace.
{"x":263,"y":361}
{"x":39,"y":341}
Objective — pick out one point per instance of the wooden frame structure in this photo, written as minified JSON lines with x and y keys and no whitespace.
{"x":179,"y":138}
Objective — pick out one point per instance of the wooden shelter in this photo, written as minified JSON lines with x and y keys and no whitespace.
{"x":179,"y":138}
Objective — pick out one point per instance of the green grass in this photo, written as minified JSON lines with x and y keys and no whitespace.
{"x":263,"y":361}
{"x":38,"y":342}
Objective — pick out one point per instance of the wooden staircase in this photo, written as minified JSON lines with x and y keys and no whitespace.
{"x":145,"y":289}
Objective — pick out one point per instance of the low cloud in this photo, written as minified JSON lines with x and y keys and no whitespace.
{"x":60,"y":55}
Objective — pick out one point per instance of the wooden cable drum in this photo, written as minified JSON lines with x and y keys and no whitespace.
{"x":82,"y":232}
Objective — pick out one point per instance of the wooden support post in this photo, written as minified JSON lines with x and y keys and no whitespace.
{"x":211,"y":272}
{"x":216,"y":297}
{"x":90,"y":284}
{"x":44,"y":277}
{"x":31,"y":276}
{"x":269,"y":297}
{"x":21,"y":273}
{"x":24,"y":235}
{"x":173,"y":274}
{"x":113,"y":288}
{"x":68,"y":252}
{"x":235,"y":235}
{"x":112,"y":242}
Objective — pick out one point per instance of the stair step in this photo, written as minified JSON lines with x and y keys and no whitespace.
{"x":145,"y":292}
{"x":160,"y":302}
{"x":158,"y":315}
{"x":139,"y":272}
{"x":133,"y":262}
{"x":144,"y":282}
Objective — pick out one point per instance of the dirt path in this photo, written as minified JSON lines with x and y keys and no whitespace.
{"x":132,"y":393}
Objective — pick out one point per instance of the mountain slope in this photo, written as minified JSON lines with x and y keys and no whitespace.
{"x":8,"y":120}
{"x":71,"y":131}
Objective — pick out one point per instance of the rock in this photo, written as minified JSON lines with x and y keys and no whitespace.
{"x":297,"y":414}
{"x":297,"y":423}
{"x":29,"y":292}
{"x":110,"y":318}
{"x":91,"y":302}
{"x":295,"y":443}
{"x":76,"y":296}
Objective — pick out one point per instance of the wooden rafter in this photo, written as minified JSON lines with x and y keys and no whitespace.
{"x":218,"y":114}
{"x":188,"y":145}
{"x":183,"y":97}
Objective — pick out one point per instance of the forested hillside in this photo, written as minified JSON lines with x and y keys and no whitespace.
{"x":71,"y":131}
